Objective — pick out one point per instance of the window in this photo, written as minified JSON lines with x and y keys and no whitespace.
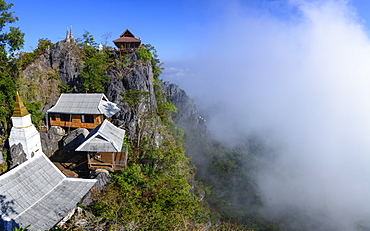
{"x":52,"y":116}
{"x":65,"y":117}
{"x":87,"y":119}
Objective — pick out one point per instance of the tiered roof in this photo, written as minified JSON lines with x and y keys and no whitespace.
{"x":127,"y":36}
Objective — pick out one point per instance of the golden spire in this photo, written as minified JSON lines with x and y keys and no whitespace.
{"x":19,"y":109}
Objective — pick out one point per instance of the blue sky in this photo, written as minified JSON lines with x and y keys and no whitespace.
{"x":176,"y":28}
{"x":168,"y":25}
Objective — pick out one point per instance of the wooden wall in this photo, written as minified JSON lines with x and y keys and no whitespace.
{"x":75,"y":121}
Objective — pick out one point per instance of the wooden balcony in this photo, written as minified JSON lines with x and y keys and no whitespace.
{"x":107,"y":160}
{"x":126,"y":50}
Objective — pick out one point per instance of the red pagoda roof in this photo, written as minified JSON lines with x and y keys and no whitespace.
{"x":127,"y":39}
{"x":127,"y":36}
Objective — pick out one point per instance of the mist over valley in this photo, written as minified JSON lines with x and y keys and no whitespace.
{"x":301,"y":84}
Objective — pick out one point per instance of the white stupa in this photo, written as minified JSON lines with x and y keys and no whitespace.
{"x":23,"y":131}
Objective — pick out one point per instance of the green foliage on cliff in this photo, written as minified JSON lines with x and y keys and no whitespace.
{"x":133,"y":97}
{"x":93,"y":74}
{"x":26,"y":58}
{"x":34,"y":108}
{"x":153,"y":192}
{"x":96,"y":62}
{"x":147,"y":52}
{"x":151,"y":196}
{"x":144,"y":54}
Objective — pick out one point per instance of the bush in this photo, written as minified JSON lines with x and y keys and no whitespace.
{"x":144,"y":54}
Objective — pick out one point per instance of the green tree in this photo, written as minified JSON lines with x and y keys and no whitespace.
{"x":11,"y":40}
{"x":88,"y":39}
{"x":156,"y":63}
{"x":149,"y":53}
{"x":93,"y":74}
{"x":96,"y":64}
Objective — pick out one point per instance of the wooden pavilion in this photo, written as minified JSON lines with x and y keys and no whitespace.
{"x":104,"y":147}
{"x":127,"y":42}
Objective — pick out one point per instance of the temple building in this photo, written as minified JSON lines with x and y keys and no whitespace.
{"x":23,"y":131}
{"x":69,"y":36}
{"x":127,"y":42}
{"x":35,"y":193}
{"x":81,"y":110}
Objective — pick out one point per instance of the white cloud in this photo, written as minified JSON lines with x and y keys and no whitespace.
{"x":305,"y":79}
{"x":175,"y":73}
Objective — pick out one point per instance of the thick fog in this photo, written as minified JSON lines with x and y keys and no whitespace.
{"x":297,"y":73}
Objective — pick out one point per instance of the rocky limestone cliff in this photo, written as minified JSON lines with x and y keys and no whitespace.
{"x":40,"y":80}
{"x":62,"y":63}
{"x":66,"y":58}
{"x":187,"y":117}
{"x":197,"y":136}
{"x":135,"y":75}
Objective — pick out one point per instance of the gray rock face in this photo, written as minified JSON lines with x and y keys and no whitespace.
{"x":187,"y":117}
{"x":50,"y":139}
{"x":65,"y":61}
{"x":66,"y":58}
{"x":2,"y":129}
{"x":197,"y":137}
{"x":103,"y":179}
{"x":62,"y":63}
{"x":74,"y":139}
{"x":135,"y":75}
{"x":1,"y":157}
{"x":17,"y":155}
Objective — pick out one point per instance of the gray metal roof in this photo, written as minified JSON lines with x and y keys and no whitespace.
{"x":84,"y":103}
{"x":36,"y":193}
{"x":104,"y":138}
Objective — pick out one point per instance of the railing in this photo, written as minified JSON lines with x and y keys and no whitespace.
{"x":117,"y":162}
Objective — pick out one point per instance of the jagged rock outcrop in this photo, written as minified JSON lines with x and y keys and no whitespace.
{"x":82,"y":220}
{"x":74,"y":139}
{"x":103,"y":179}
{"x":66,"y":58}
{"x":64,"y":61}
{"x":187,"y":117}
{"x":135,"y":75}
{"x":61,"y":63}
{"x":197,"y":136}
{"x":17,"y":155}
{"x":1,"y":157}
{"x":50,"y":139}
{"x":39,"y":76}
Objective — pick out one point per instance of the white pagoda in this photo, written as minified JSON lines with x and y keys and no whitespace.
{"x":23,"y":131}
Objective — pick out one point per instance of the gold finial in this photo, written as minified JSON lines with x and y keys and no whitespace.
{"x":19,"y":109}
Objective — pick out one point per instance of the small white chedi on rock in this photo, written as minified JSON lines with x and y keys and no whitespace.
{"x":23,"y":131}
